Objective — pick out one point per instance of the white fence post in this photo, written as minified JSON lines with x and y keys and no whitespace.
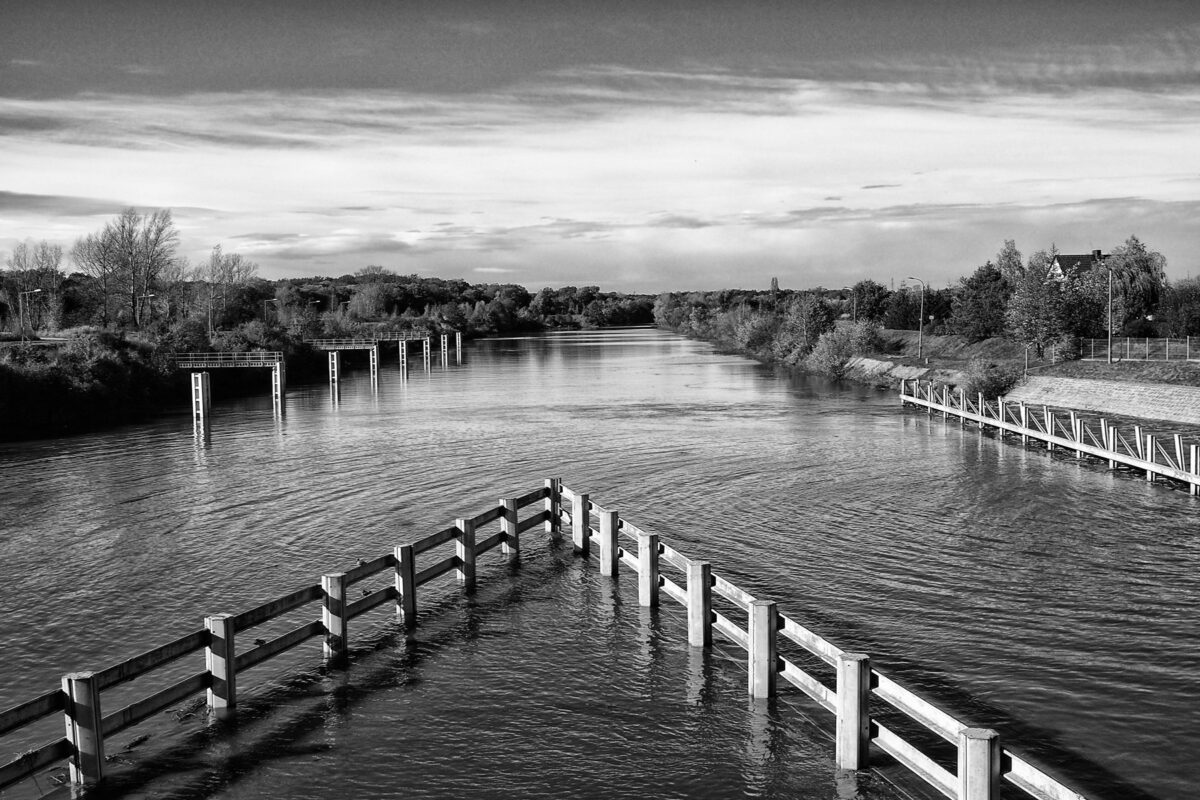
{"x":764,"y":663}
{"x":406,"y":585}
{"x":464,"y":549}
{"x":699,"y":589}
{"x":581,"y":523}
{"x":609,"y":552}
{"x":83,"y":721}
{"x":333,"y":616}
{"x":853,"y":716}
{"x":978,"y":764}
{"x":1194,"y":488}
{"x":648,"y":570}
{"x":554,"y":507}
{"x":510,"y":544}
{"x":219,"y":661}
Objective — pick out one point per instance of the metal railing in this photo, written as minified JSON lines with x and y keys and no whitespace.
{"x":1140,"y":349}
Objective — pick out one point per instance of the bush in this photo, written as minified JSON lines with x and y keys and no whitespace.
{"x":991,"y":379}
{"x":833,"y":351}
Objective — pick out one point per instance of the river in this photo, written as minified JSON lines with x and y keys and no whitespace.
{"x":1052,"y":600}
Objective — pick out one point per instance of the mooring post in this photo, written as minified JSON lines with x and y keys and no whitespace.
{"x":610,"y":554}
{"x":406,"y":585}
{"x":278,"y":387}
{"x":84,"y":732}
{"x":335,"y":368}
{"x":219,"y":661}
{"x":764,"y":663}
{"x":464,"y":549}
{"x":853,"y":715}
{"x":554,"y":507}
{"x":581,"y":523}
{"x":699,"y":590}
{"x":1194,"y":487}
{"x":978,"y":764}
{"x":333,"y":616}
{"x":648,"y":570}
{"x":201,"y":396}
{"x":510,"y":545}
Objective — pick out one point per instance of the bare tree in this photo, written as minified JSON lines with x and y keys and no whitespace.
{"x":223,"y":271}
{"x":35,"y":269}
{"x":126,"y":259}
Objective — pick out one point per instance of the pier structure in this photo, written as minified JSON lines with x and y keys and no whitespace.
{"x":947,"y":753}
{"x":334,"y":347}
{"x":200,"y":363}
{"x":1157,"y":456}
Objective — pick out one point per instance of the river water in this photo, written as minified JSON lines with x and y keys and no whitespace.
{"x":1051,"y":600}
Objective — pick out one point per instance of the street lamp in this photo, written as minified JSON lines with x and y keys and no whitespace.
{"x":139,"y":308}
{"x":21,"y":309}
{"x":921,"y":321}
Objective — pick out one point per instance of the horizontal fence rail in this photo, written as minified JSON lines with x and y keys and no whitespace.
{"x":1155,"y":455}
{"x":842,"y":683}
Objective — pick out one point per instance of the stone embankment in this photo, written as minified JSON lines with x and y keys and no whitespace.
{"x":1158,"y":401}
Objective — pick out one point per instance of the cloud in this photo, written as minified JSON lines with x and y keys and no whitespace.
{"x":26,"y":62}
{"x":57,"y":205}
{"x":881,"y":186}
{"x":142,"y":69}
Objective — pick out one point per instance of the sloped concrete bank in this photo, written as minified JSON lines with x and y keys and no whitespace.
{"x":888,"y":374}
{"x":1159,"y":401}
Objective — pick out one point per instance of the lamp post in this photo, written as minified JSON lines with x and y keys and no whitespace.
{"x":921,"y":321}
{"x":1110,"y":277}
{"x":21,"y":309}
{"x":139,"y":308}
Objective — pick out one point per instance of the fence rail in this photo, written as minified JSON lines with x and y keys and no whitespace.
{"x":1157,"y":456}
{"x":255,"y":358}
{"x":1140,"y":349}
{"x":844,"y":683}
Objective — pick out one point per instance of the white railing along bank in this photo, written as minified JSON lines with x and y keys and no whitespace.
{"x":1156,"y":455}
{"x":840,"y":682}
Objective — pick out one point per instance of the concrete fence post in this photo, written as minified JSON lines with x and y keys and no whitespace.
{"x":464,"y":549}
{"x":333,"y":616}
{"x":700,"y":616}
{"x":978,"y":764}
{"x":648,"y":570}
{"x":83,"y":719}
{"x":219,"y":659}
{"x":853,"y":716}
{"x":609,"y":552}
{"x":510,"y":544}
{"x":554,"y":507}
{"x":764,"y":662}
{"x":581,"y":523}
{"x":406,"y":585}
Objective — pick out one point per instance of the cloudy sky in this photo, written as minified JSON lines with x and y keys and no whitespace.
{"x":640,"y":146}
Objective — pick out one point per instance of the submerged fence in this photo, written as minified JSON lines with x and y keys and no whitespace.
{"x":1158,"y":456}
{"x":874,"y":713}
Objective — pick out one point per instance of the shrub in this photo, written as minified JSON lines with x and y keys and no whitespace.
{"x":991,"y":379}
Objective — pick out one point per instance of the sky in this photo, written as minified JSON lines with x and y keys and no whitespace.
{"x":639,"y":146}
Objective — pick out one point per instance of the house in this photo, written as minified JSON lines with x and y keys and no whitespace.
{"x":1065,"y":266}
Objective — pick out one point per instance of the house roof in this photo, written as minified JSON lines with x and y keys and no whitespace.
{"x":1065,"y":264}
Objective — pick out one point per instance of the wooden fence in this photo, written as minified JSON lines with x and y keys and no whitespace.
{"x":959,"y":761}
{"x":1157,"y":456}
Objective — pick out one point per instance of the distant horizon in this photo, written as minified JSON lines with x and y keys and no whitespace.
{"x":641,"y":148}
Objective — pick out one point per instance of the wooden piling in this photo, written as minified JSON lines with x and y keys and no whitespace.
{"x":333,"y":617}
{"x":763,"y":660}
{"x":219,"y":661}
{"x":648,"y":570}
{"x":610,"y":558}
{"x":84,"y":732}
{"x":978,"y":764}
{"x":853,"y":716}
{"x":581,"y":522}
{"x":464,"y":549}
{"x":406,"y":585}
{"x":510,"y":545}
{"x":700,"y":616}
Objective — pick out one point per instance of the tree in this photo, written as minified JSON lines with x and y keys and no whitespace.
{"x":868,"y":301}
{"x":978,"y":309}
{"x":806,"y":317}
{"x":1033,"y":313}
{"x":36,"y":268}
{"x":1008,"y":261}
{"x":126,"y":259}
{"x":1139,"y":276}
{"x":903,"y":310}
{"x":220,"y":274}
{"x":1178,"y":311}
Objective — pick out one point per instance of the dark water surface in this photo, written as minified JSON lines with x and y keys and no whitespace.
{"x":1054,"y":601}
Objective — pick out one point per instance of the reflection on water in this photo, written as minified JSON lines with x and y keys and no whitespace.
{"x":1052,"y":600}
